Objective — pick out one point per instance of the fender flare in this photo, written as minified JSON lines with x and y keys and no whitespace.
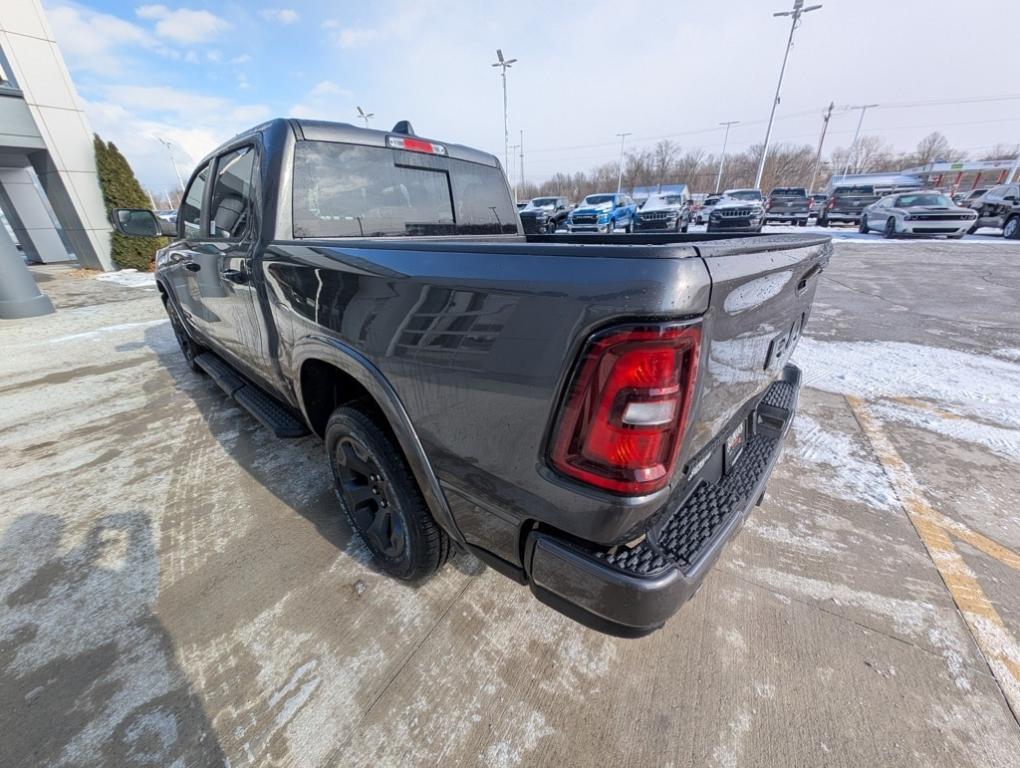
{"x":361,"y":369}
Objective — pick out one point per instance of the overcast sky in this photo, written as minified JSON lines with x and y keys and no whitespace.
{"x":587,"y":71}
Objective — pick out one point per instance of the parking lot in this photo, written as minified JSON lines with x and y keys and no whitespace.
{"x":177,"y":588}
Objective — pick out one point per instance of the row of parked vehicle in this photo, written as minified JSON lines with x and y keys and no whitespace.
{"x":891,"y":211}
{"x":736,"y":210}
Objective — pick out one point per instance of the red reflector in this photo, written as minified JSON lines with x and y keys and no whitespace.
{"x":610,"y":433}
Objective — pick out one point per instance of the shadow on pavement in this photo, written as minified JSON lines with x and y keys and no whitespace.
{"x":88,"y":674}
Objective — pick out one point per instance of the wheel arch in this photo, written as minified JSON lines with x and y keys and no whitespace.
{"x":329,"y":374}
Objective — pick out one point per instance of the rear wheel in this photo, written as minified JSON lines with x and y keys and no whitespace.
{"x":381,"y":498}
{"x":1011,"y":229}
{"x":863,"y":228}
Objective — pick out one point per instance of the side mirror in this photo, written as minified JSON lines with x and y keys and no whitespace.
{"x":138,"y":222}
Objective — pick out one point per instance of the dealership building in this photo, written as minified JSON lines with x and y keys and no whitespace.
{"x":49,"y":189}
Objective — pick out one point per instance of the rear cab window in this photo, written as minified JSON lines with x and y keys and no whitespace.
{"x":350,"y":190}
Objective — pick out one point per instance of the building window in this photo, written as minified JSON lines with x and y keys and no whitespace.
{"x":7,"y":81}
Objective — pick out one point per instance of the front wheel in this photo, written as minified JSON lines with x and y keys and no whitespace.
{"x":1011,"y":229}
{"x":381,"y":498}
{"x":863,"y":228}
{"x":189,"y":348}
{"x":890,"y":228}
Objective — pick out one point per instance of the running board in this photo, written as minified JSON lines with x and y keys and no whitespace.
{"x":271,"y":413}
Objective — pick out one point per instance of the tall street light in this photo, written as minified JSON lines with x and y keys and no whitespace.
{"x":365,"y":115}
{"x":798,"y":11}
{"x":619,"y":177}
{"x":851,"y":155}
{"x":722,"y":157}
{"x":173,"y":160}
{"x":504,"y":65}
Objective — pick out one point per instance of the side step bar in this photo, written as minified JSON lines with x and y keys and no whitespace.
{"x":271,"y":413}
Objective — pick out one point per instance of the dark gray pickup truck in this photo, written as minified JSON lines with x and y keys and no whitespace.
{"x":592,"y":415}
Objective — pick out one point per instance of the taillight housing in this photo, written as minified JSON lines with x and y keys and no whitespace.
{"x":625,"y":412}
{"x":831,"y":204}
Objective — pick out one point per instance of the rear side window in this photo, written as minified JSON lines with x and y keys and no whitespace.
{"x":347,"y":190}
{"x":191,"y":208}
{"x":230,"y":207}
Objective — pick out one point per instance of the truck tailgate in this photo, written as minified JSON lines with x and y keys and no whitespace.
{"x":761,"y":297}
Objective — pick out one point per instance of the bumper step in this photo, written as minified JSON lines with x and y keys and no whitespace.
{"x":270,"y":412}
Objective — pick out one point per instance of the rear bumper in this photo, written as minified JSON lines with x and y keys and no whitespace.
{"x":786,"y":216}
{"x":843,"y":216}
{"x":630,"y":592}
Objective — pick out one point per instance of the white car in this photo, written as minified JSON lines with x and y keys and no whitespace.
{"x":706,"y":209}
{"x":917,"y":213}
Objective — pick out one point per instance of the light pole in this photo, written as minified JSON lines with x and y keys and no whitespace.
{"x":853,"y":145}
{"x":170,"y":150}
{"x":522,"y":161}
{"x":365,"y":115}
{"x":504,"y":65}
{"x":722,"y":158}
{"x":619,"y":176}
{"x":821,"y":140}
{"x":510,"y":171}
{"x":798,"y":11}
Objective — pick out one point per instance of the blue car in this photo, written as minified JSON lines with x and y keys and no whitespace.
{"x":603,"y":212}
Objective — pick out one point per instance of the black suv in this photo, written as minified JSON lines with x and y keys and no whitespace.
{"x":1000,"y":208}
{"x":544,"y":215}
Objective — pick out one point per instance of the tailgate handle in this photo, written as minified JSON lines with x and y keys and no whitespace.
{"x":802,"y":285}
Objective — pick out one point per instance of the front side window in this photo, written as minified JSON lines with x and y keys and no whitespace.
{"x":348,"y":190}
{"x":230,"y":206}
{"x":191,"y":208}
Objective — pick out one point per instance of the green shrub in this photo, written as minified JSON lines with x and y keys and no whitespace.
{"x":122,"y":190}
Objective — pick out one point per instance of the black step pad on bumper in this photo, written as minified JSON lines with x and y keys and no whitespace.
{"x":631,"y":591}
{"x":270,"y":412}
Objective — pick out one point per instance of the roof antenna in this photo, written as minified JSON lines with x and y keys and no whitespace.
{"x":404,"y":127}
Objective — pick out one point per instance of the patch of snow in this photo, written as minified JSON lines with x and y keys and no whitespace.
{"x":130,"y":278}
{"x":962,"y":395}
{"x":106,"y":329}
{"x":850,"y":473}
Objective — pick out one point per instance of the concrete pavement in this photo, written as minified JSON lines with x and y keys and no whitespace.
{"x":176,"y":587}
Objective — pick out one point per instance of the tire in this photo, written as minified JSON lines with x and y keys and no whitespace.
{"x":189,"y":348}
{"x":381,"y":499}
{"x":1011,"y":229}
{"x":822,"y":222}
{"x":630,"y":227}
{"x":972,"y":230}
{"x":890,"y":228}
{"x":802,"y":223}
{"x":684,"y":227}
{"x":863,"y":226}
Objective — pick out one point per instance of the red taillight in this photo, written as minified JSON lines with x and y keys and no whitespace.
{"x":626,"y":410}
{"x":415,"y":145}
{"x":831,"y":204}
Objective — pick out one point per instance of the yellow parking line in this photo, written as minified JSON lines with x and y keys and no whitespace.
{"x":998,"y":645}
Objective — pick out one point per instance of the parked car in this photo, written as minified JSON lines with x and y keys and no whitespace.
{"x":788,"y":204}
{"x":745,"y":214}
{"x":603,"y":212}
{"x":917,"y":213}
{"x":663,"y":212}
{"x":587,"y":418}
{"x":845,"y":204}
{"x":706,"y":209}
{"x":1000,"y":208}
{"x":544,"y":215}
{"x":973,"y":198}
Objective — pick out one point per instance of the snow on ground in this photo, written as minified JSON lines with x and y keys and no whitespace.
{"x":130,"y":278}
{"x":957,"y":394}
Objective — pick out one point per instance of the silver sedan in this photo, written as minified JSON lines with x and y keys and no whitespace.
{"x":922,"y":213}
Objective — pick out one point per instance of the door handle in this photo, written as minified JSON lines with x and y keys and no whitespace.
{"x":190,"y":265}
{"x":235,"y":276}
